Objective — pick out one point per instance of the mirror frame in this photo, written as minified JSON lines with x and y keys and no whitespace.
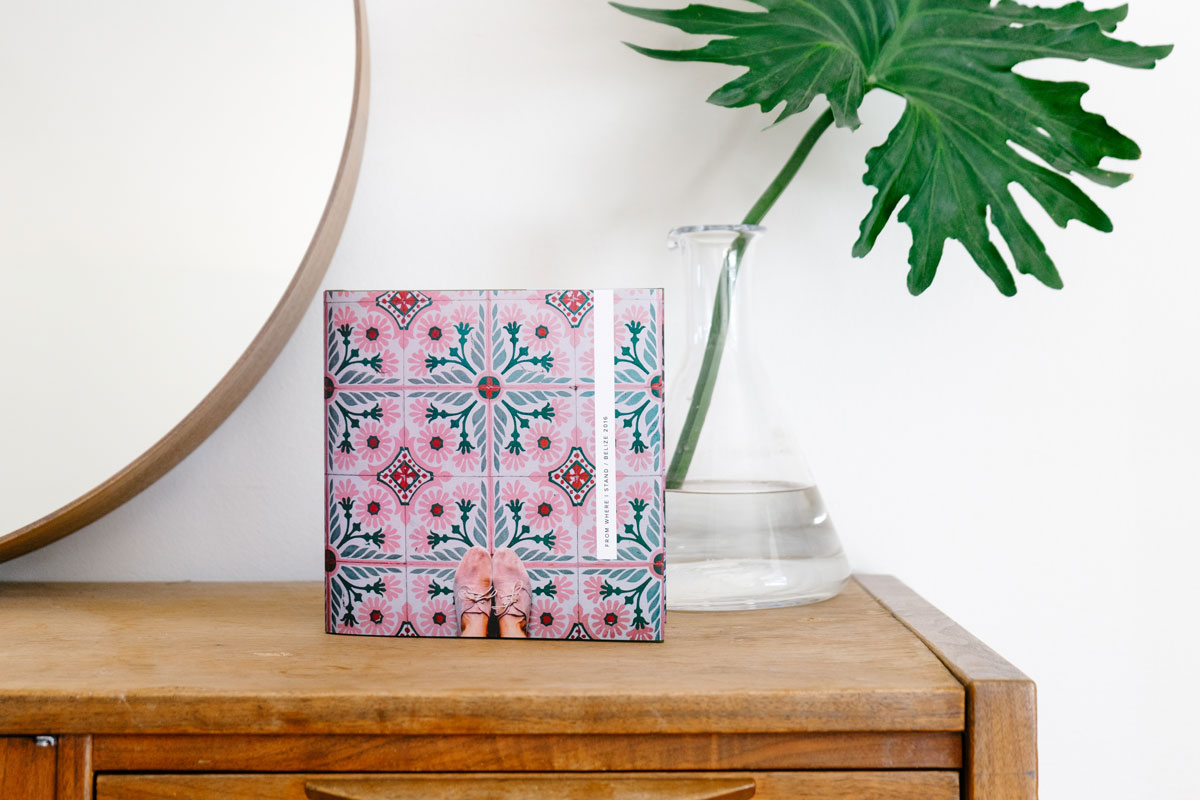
{"x":229,"y":392}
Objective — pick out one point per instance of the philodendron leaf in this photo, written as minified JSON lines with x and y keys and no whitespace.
{"x":951,"y":153}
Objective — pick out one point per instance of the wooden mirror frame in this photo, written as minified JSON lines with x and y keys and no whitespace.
{"x":229,"y":392}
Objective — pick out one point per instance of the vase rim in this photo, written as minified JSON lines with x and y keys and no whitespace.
{"x":740,"y":228}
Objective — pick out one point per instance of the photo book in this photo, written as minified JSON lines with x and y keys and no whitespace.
{"x":494,"y":464}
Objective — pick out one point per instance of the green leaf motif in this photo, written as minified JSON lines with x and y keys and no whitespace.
{"x":951,"y":153}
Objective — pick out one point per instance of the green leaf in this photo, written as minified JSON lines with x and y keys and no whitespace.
{"x":952,"y":152}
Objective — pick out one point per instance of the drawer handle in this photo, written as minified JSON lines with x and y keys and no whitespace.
{"x":521,"y":787}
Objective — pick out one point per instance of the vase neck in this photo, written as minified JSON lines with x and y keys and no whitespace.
{"x":716,"y":257}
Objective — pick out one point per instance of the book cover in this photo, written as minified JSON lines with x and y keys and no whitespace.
{"x":495,"y":457}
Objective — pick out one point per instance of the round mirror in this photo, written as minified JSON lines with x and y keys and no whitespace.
{"x":175,"y":177}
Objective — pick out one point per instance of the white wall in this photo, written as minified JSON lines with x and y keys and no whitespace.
{"x":1026,"y":463}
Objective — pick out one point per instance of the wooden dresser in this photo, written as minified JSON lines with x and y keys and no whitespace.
{"x":205,"y":691}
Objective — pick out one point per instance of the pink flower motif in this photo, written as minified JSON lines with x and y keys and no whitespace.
{"x":375,"y":508}
{"x":391,"y":364}
{"x":344,"y":315}
{"x":562,"y":541}
{"x":513,"y":490}
{"x":638,"y":313}
{"x":562,"y":364}
{"x":389,"y":411}
{"x":468,"y":490}
{"x":420,"y":584}
{"x":608,"y":620}
{"x":435,"y":443}
{"x":343,"y":460}
{"x":591,"y":587}
{"x":375,"y":616}
{"x":512,"y":462}
{"x":345,"y":489}
{"x":434,"y":333}
{"x":624,"y":437}
{"x":546,"y":509}
{"x":546,"y":442}
{"x":564,"y":588}
{"x":417,"y":407}
{"x":547,"y":326}
{"x":435,"y":507}
{"x":637,"y":491}
{"x":547,"y":620}
{"x":587,"y":361}
{"x":393,"y":584}
{"x":393,"y":542}
{"x":374,"y":443}
{"x":465,"y":312}
{"x":416,"y":362}
{"x":435,"y":619}
{"x":587,"y":541}
{"x":637,"y":463}
{"x":641,"y":634}
{"x":466,"y":462}
{"x":373,"y":335}
{"x":418,"y":541}
{"x":342,"y":627}
{"x":507,"y":313}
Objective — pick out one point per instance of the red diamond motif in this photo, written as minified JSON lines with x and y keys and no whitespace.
{"x":403,"y":306}
{"x":577,"y":476}
{"x":574,"y":476}
{"x":573,"y":303}
{"x":404,"y":476}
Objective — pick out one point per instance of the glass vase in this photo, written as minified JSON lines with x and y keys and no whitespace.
{"x":746,"y":524}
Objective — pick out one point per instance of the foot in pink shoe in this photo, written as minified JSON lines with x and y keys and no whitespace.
{"x":513,"y":598}
{"x":473,"y":592}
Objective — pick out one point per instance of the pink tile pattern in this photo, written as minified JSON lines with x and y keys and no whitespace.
{"x":465,"y":418}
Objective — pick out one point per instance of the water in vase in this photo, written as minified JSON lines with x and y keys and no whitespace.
{"x":751,"y":546}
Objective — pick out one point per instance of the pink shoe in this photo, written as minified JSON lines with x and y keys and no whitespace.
{"x":513,"y":598}
{"x":473,"y":589}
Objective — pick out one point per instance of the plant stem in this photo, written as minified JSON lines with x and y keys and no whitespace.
{"x":768,"y":198}
{"x":718,"y":331}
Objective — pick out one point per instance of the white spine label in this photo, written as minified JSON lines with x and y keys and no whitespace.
{"x":606,"y":432}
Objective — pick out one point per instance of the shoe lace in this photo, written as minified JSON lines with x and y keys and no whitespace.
{"x":471,"y":596}
{"x":505,"y":602}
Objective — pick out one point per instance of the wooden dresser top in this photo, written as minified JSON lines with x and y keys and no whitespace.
{"x":253,"y":658}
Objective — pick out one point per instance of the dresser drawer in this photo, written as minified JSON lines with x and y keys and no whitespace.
{"x":858,"y":785}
